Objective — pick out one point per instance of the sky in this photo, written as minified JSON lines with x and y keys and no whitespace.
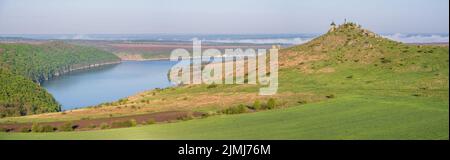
{"x":219,"y":16}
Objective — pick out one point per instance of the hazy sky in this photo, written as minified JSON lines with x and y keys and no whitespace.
{"x":219,"y":16}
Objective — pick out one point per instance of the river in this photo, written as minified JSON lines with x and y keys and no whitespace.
{"x":108,"y":83}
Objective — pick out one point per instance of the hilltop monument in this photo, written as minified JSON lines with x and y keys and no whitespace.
{"x":332,"y":27}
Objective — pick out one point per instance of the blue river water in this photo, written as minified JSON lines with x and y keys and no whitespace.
{"x":108,"y":83}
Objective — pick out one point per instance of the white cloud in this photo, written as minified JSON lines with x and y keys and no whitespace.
{"x":432,"y":38}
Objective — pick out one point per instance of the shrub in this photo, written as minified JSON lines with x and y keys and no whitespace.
{"x":129,"y":123}
{"x":36,"y":127}
{"x":208,"y":114}
{"x":67,"y":126}
{"x":330,"y":96}
{"x":212,"y":86}
{"x":85,"y":118}
{"x":47,"y":128}
{"x":384,"y":60}
{"x":151,"y":121}
{"x":133,"y":122}
{"x":302,"y":102}
{"x":92,"y":126}
{"x":4,"y":130}
{"x":104,"y":126}
{"x":416,"y":95}
{"x":186,"y":117}
{"x":271,"y":104}
{"x":123,"y":100}
{"x":235,"y":110}
{"x":25,"y":129}
{"x":257,"y":105}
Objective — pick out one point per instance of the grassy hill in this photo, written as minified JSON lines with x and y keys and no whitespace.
{"x":21,"y":65}
{"x":345,"y":84}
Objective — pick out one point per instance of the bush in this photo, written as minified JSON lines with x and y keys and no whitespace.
{"x":212,"y":86}
{"x":302,"y":102}
{"x":186,"y":117}
{"x":35,"y":127}
{"x":85,"y":118}
{"x":330,"y":96}
{"x":123,"y":101}
{"x":4,"y":130}
{"x":92,"y":126}
{"x":208,"y":114}
{"x":133,"y":122}
{"x":151,"y":121}
{"x":42,"y":128}
{"x":271,"y":104}
{"x":104,"y":126}
{"x":47,"y":128}
{"x":67,"y":126}
{"x":235,"y":110}
{"x":416,"y":95}
{"x":384,"y":60}
{"x":25,"y":130}
{"x":257,"y":105}
{"x":129,"y":123}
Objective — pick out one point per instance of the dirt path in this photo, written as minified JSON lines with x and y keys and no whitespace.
{"x":91,"y":124}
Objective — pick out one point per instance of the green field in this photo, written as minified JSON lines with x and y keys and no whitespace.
{"x":347,"y":117}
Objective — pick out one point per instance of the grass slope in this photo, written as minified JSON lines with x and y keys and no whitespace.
{"x":348,"y":117}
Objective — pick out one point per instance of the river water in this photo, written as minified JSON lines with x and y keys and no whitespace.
{"x":108,"y":83}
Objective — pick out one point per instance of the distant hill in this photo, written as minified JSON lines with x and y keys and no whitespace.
{"x":21,"y":64}
{"x":349,"y":44}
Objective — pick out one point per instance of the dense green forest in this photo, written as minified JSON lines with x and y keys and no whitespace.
{"x":21,"y":64}
{"x":21,"y":96}
{"x":43,"y":61}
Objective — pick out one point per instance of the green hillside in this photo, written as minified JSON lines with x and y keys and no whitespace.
{"x":346,"y":84}
{"x":347,"y":117}
{"x":21,"y":96}
{"x":21,"y":64}
{"x":43,"y":61}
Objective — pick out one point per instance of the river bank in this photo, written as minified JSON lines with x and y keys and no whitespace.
{"x":73,"y":68}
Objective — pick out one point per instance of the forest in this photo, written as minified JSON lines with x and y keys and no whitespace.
{"x":24,"y":66}
{"x":42,"y":62}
